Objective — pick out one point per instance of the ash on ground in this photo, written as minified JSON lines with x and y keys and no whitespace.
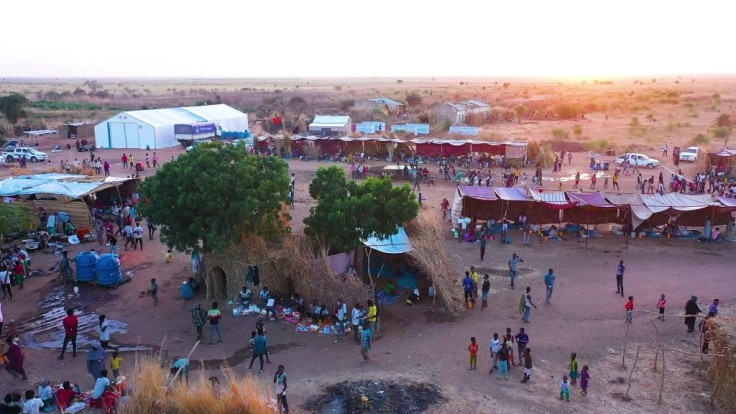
{"x":390,"y":397}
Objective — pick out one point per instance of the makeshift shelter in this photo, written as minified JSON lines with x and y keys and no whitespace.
{"x":72,"y":194}
{"x":386,"y":259}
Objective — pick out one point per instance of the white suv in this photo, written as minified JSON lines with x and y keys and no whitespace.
{"x":690,"y":154}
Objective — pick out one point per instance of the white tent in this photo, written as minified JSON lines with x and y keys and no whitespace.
{"x":155,"y":128}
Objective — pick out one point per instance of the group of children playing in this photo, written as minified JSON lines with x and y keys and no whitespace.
{"x":502,"y":353}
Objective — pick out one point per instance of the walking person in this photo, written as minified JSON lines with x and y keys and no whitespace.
{"x":691,"y":310}
{"x":522,"y":339}
{"x":629,"y":306}
{"x":620,"y":277}
{"x":103,"y":330}
{"x":549,"y":281}
{"x":513,"y":263}
{"x":260,"y":346}
{"x":96,"y":361}
{"x":584,"y":378}
{"x":280,"y":380}
{"x":151,"y":230}
{"x":214,"y":315}
{"x":661,"y":304}
{"x":128,"y":231}
{"x":138,"y":235}
{"x":15,"y":356}
{"x":473,"y":349}
{"x":154,"y":291}
{"x":71,"y":325}
{"x":577,"y":179}
{"x":199,"y":317}
{"x":482,"y":247}
{"x":5,"y":281}
{"x":527,"y":305}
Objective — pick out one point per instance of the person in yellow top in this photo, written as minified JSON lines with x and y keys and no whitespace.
{"x":615,"y":181}
{"x":475,"y":276}
{"x":115,"y":364}
{"x":372,"y":313}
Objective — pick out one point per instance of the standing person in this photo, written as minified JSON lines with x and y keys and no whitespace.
{"x":5,"y":281}
{"x":342,"y":312}
{"x":549,"y":281}
{"x":124,"y":159}
{"x":96,"y":360}
{"x":365,"y":342}
{"x":199,"y":317}
{"x":356,"y":315}
{"x":148,"y":161}
{"x":508,"y":339}
{"x":280,"y":380}
{"x":260,"y":347}
{"x":372,"y":316}
{"x":629,"y":306}
{"x":577,"y":179}
{"x":128,"y":230}
{"x":573,"y":368}
{"x":513,"y":263}
{"x":151,"y":229}
{"x":615,"y":181}
{"x":19,"y":270}
{"x":468,"y":287}
{"x":292,"y":181}
{"x":503,"y":362}
{"x":104,"y":331}
{"x":475,"y":276}
{"x":565,"y":388}
{"x":155,"y":160}
{"x":473,"y":349}
{"x":106,"y":167}
{"x":154,"y":291}
{"x":522,"y":339}
{"x":661,"y":304}
{"x":495,"y":348}
{"x":2,"y":319}
{"x":569,"y":158}
{"x":15,"y":357}
{"x":214,"y":315}
{"x":704,"y":332}
{"x":527,"y":365}
{"x":692,"y":310}
{"x":138,"y":235}
{"x":113,"y":245}
{"x":482,"y":247}
{"x":115,"y":363}
{"x":584,"y":378}
{"x":528,"y":305}
{"x":71,"y":324}
{"x":445,"y":208}
{"x":485,"y":289}
{"x":713,"y":308}
{"x":620,"y":270}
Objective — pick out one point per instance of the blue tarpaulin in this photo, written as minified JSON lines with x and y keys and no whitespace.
{"x":395,"y":244}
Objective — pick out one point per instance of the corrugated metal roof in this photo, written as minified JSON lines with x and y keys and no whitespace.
{"x":476,"y":103}
{"x":415,"y":128}
{"x":463,"y":130}
{"x":386,"y":101}
{"x":330,"y":120}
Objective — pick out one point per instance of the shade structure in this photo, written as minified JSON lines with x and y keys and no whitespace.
{"x":395,"y":244}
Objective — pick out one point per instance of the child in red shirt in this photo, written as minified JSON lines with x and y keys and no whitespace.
{"x":629,"y":310}
{"x":473,"y":348}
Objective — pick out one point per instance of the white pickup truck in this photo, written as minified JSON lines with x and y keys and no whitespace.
{"x":639,"y":160}
{"x":30,"y":153}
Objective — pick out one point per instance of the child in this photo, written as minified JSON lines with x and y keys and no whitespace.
{"x":485,"y":290}
{"x":573,"y":368}
{"x":527,"y":365}
{"x":473,"y":348}
{"x":661,"y":305}
{"x":565,"y":388}
{"x":252,"y":340}
{"x":584,"y":377}
{"x":508,"y":339}
{"x":115,"y":364}
{"x":629,"y":310}
{"x":33,"y":404}
{"x":154,"y":291}
{"x":169,"y":256}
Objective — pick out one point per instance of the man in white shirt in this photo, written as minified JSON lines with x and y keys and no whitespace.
{"x":138,"y":235}
{"x":356,"y":316}
{"x":5,"y":281}
{"x":128,"y":231}
{"x":342,"y":313}
{"x":33,"y":404}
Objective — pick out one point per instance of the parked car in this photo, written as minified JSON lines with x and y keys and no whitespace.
{"x":690,"y":154}
{"x":639,"y":160}
{"x":195,"y":144}
{"x":30,"y":153}
{"x":11,"y":145}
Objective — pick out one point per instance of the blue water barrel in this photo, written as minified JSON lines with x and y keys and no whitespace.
{"x":86,"y":262}
{"x":108,"y":270}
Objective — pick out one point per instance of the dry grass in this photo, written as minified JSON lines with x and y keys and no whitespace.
{"x":430,"y":255}
{"x":150,"y":394}
{"x":722,"y":370}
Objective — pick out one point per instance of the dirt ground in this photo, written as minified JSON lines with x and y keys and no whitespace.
{"x":419,"y":344}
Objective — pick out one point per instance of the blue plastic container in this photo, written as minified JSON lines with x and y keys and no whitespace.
{"x":86,"y":262}
{"x":108,"y":270}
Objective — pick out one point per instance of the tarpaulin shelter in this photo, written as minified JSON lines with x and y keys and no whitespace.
{"x":390,"y":261}
{"x":593,"y":208}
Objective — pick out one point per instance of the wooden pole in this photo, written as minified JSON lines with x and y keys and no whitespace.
{"x":623,"y":354}
{"x":661,"y":381}
{"x":656,"y":353}
{"x":633,"y":367}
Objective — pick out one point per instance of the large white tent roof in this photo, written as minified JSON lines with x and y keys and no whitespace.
{"x":186,"y":115}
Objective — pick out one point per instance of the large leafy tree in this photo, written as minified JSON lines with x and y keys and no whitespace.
{"x":11,"y":106}
{"x":16,"y":218}
{"x":208,"y":198}
{"x":347,"y":212}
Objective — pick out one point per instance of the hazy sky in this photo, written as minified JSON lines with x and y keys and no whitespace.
{"x":251,"y":38}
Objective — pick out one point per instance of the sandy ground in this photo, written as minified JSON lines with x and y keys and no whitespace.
{"x":585,"y":317}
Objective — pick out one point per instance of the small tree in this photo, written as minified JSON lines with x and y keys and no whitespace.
{"x":12,"y":107}
{"x":15,"y":218}
{"x":724,"y":120}
{"x":208,"y":198}
{"x":347,"y":212}
{"x":721,"y":132}
{"x":577,"y":130}
{"x":567,"y":111}
{"x":413,"y":99}
{"x":520,"y":111}
{"x":560,"y":133}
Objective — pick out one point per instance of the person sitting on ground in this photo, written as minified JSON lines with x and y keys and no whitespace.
{"x":324,"y":313}
{"x":246,"y":296}
{"x":715,"y":235}
{"x":264,"y":295}
{"x":271,"y":309}
{"x":101,"y":385}
{"x":413,"y":297}
{"x":389,"y":289}
{"x":194,"y":284}
{"x":46,"y":394}
{"x":316,"y":311}
{"x":553,"y":234}
{"x":65,"y":395}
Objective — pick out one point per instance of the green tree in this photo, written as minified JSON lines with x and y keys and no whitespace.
{"x":15,"y":218}
{"x":567,"y":111}
{"x":520,"y":111}
{"x":724,"y":120}
{"x":11,"y":107}
{"x":208,"y":198}
{"x":577,"y":130}
{"x":347,"y":212}
{"x":721,"y":132}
